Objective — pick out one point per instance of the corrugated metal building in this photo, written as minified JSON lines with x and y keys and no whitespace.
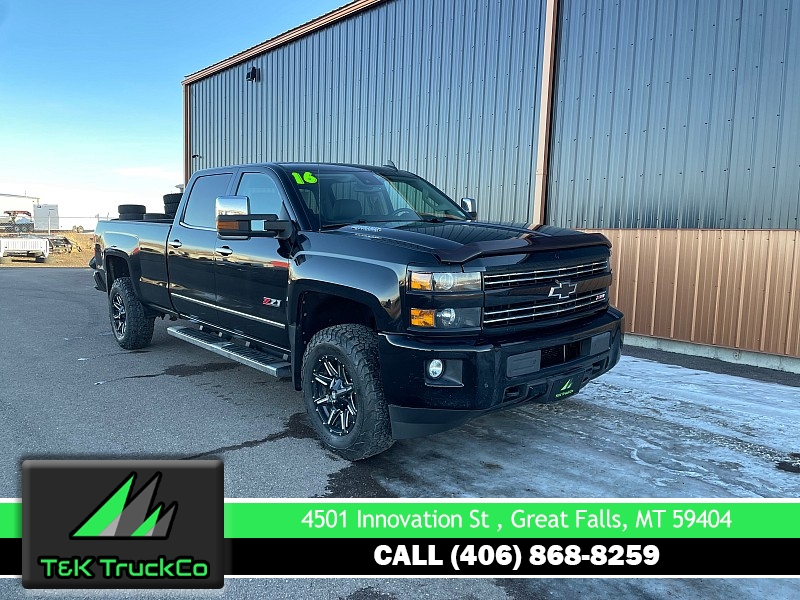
{"x":670,"y":125}
{"x":447,"y":89}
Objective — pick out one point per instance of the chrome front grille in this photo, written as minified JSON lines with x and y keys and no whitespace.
{"x":542,"y":276}
{"x":507,"y":315}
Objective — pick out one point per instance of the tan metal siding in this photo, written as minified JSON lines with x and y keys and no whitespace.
{"x":686,"y":283}
{"x":793,"y":329}
{"x":707,"y":284}
{"x":663,"y":305}
{"x":730,"y":289}
{"x":723,"y":287}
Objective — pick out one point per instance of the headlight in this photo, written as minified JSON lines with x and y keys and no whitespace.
{"x":446,"y":318}
{"x":446,"y":282}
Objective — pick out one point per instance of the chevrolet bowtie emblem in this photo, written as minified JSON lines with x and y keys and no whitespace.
{"x":564,"y":289}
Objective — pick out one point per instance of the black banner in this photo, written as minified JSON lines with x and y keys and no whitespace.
{"x":531,"y":557}
{"x":503,"y":557}
{"x":10,"y":556}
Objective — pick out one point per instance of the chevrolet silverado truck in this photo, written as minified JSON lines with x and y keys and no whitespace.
{"x":392,"y":308}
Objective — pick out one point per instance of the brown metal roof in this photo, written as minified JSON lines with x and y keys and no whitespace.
{"x":284,"y":38}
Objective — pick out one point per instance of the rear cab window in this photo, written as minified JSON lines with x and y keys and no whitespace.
{"x":201,"y":208}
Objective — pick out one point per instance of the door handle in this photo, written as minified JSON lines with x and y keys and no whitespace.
{"x":224,"y":251}
{"x":175,"y":244}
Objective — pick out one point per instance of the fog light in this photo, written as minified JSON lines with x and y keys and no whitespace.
{"x":435,"y":368}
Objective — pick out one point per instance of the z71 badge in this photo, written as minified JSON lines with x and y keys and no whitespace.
{"x":271,"y":302}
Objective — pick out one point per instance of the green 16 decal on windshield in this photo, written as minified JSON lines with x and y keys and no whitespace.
{"x":306,"y":177}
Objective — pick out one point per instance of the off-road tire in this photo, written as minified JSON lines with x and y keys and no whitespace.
{"x":132,"y":208}
{"x":171,"y":203}
{"x":131,"y":216}
{"x":137,"y":331}
{"x":356,"y":348}
{"x":154,"y":216}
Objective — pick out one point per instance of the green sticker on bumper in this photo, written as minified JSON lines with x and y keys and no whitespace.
{"x":564,"y":387}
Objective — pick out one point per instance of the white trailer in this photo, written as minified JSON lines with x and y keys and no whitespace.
{"x":18,"y":246}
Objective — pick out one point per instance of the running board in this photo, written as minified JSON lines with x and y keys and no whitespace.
{"x":266,"y":363}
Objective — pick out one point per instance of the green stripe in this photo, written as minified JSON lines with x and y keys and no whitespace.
{"x":756,"y":519}
{"x":510,"y":520}
{"x":10,"y":519}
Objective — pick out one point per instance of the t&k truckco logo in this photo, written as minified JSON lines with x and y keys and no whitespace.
{"x":118,"y":516}
{"x":89,"y":524}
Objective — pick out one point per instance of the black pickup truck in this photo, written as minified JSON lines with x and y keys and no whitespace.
{"x":390,"y":306}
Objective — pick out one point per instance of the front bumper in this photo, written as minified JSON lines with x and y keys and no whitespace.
{"x":481,"y":378}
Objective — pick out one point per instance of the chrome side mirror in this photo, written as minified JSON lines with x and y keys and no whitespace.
{"x":470,"y":206}
{"x":232,"y":206}
{"x":235,"y":221}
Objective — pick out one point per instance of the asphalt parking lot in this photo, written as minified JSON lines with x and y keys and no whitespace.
{"x":646,"y":429}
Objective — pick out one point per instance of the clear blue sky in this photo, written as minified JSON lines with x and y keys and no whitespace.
{"x":91,"y":111}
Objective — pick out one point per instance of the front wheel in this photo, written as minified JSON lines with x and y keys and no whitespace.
{"x":343,"y":392}
{"x":132,"y":328}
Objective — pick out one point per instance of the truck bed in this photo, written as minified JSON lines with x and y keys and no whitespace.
{"x":142,"y":247}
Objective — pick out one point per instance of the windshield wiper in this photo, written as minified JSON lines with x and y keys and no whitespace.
{"x":332,"y":225}
{"x":365,"y":222}
{"x":429,"y":218}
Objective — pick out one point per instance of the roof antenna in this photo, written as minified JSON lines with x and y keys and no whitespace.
{"x":391,"y":164}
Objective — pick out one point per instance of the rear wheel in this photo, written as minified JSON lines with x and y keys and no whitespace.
{"x":343,"y":392}
{"x":132,"y":327}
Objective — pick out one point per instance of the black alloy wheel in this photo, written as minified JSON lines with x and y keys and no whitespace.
{"x":119,"y":316}
{"x":130,"y":323}
{"x":343,"y":393}
{"x":334,"y":395}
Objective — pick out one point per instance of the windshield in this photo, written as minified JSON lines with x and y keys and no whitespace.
{"x":337,"y":198}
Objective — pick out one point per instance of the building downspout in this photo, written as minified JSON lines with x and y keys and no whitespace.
{"x":187,"y":136}
{"x":545,"y":111}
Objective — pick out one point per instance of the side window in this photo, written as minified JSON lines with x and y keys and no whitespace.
{"x":264,"y":193}
{"x":310,"y":200}
{"x":202,"y":205}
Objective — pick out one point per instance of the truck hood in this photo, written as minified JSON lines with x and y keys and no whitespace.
{"x":455,"y":243}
